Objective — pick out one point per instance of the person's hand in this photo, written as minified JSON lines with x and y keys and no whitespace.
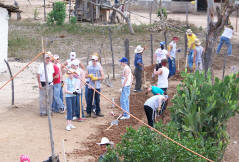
{"x":120,"y":90}
{"x":94,"y":78}
{"x":75,"y":93}
{"x":194,"y":67}
{"x":90,"y":75}
{"x":40,"y":86}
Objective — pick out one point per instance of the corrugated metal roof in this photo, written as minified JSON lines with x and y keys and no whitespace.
{"x":10,"y":8}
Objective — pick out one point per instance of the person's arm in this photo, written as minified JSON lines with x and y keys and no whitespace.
{"x":170,"y":47}
{"x":101,"y":74}
{"x":194,"y":56}
{"x":39,"y":82}
{"x":65,"y":89}
{"x":82,"y":66}
{"x":159,"y":72}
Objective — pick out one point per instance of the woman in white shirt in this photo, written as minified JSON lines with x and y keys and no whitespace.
{"x":160,"y":53}
{"x":162,"y":75}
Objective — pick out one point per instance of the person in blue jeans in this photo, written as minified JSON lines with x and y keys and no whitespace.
{"x":70,"y":95}
{"x":225,"y":38}
{"x":126,"y":80}
{"x":172,"y":56}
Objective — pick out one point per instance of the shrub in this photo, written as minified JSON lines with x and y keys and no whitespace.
{"x":58,"y":14}
{"x":145,"y":145}
{"x":73,"y":20}
{"x":164,"y":12}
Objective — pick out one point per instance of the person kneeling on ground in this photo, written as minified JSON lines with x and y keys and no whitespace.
{"x":103,"y":145}
{"x":152,"y":105}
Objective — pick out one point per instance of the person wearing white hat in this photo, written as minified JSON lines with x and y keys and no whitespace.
{"x":191,"y":37}
{"x":42,"y":84}
{"x":138,"y":63}
{"x":160,"y":53}
{"x":96,"y":75}
{"x":198,"y":53}
{"x":103,"y":145}
{"x":57,"y":104}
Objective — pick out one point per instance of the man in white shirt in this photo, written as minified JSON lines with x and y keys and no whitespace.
{"x":127,"y":79}
{"x":160,"y":53}
{"x":226,"y":36}
{"x":42,"y":84}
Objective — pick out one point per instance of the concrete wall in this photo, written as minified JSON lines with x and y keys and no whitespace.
{"x":3,"y":38}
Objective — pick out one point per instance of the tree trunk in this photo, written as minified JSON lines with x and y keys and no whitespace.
{"x":126,"y":46}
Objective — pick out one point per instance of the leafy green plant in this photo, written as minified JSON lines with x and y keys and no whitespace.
{"x":202,"y":108}
{"x":36,"y":14}
{"x":58,"y":14}
{"x":73,"y":20}
{"x":164,"y":13}
{"x":145,"y":145}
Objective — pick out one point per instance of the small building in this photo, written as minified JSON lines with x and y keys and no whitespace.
{"x":5,"y":12}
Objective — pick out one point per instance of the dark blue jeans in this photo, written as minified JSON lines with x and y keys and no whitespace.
{"x":70,"y":105}
{"x":172,"y":67}
{"x":77,"y":109}
{"x":228,"y":43}
{"x":90,"y":99}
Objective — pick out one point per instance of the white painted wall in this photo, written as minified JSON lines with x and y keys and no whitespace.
{"x":3,"y":38}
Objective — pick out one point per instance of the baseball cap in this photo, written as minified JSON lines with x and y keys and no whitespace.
{"x":123,"y":59}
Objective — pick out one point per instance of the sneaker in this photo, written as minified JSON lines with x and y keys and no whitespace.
{"x":88,"y":115}
{"x":68,"y":127}
{"x":100,"y":115}
{"x":61,"y":112}
{"x":43,"y":114}
{"x":135,"y":90}
{"x":94,"y":115}
{"x":72,"y":126}
{"x":74,"y":118}
{"x":81,"y":119}
{"x":124,"y":117}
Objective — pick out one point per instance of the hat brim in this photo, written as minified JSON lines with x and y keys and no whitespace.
{"x":108,"y":143}
{"x":139,"y":50}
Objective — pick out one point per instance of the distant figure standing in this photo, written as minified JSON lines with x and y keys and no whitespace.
{"x":198,"y":55}
{"x":126,"y":81}
{"x":225,"y":38}
{"x":138,"y":63}
{"x":160,"y":53}
{"x":191,"y":46}
{"x":172,"y":56}
{"x":42,"y":84}
{"x":162,"y":75}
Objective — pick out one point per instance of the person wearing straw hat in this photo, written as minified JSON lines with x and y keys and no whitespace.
{"x":172,"y":48}
{"x":126,"y":81}
{"x":96,"y":75}
{"x":70,"y":95}
{"x":198,"y":53}
{"x":225,"y":38}
{"x":138,"y":63}
{"x":57,"y":104}
{"x":42,"y":84}
{"x":152,"y":105}
{"x":191,"y":37}
{"x":103,"y":145}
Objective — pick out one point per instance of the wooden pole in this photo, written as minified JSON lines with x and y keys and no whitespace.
{"x":44,"y":10}
{"x":111,"y":48}
{"x":187,"y":14}
{"x":150,"y":12}
{"x":126,"y":46}
{"x":69,"y":11}
{"x":152,"y":49}
{"x":185,"y":45}
{"x":224,"y":65}
{"x":10,"y":72}
{"x":48,"y":106}
{"x":236,"y":20}
{"x":165,"y":38}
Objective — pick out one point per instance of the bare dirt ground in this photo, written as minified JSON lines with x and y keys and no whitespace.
{"x":25,"y":132}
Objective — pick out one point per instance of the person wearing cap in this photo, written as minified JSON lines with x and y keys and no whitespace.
{"x":162,"y":75}
{"x":80,"y":78}
{"x":57,"y":104}
{"x":172,"y":49}
{"x":96,"y":75}
{"x":154,"y":89}
{"x":152,"y":105}
{"x":160,"y":53}
{"x":225,"y":38}
{"x":191,"y":37}
{"x":138,"y":63}
{"x":126,"y":82}
{"x":198,"y":53}
{"x":103,"y":145}
{"x":42,"y":84}
{"x":70,"y":95}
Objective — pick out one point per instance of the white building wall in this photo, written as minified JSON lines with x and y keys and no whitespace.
{"x":3,"y":38}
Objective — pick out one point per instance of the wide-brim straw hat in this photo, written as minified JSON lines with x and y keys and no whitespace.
{"x":189,"y":31}
{"x":197,"y":42}
{"x":139,"y":49}
{"x":105,"y":141}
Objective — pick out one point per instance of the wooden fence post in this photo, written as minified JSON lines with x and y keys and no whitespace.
{"x":69,"y":11}
{"x":44,"y":10}
{"x":111,"y":48}
{"x":152,"y":50}
{"x":10,"y":72}
{"x":126,"y":46}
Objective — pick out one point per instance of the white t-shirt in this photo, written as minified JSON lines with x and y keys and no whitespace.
{"x":128,"y":82}
{"x":163,"y":78}
{"x":173,"y":50}
{"x":227,"y":33}
{"x":161,"y":54}
{"x":50,"y":71}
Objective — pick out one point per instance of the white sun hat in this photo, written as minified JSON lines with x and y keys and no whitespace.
{"x":56,"y":57}
{"x":105,"y":141}
{"x":189,"y":31}
{"x":139,"y":49}
{"x":73,"y":55}
{"x":94,"y":57}
{"x":75,"y":62}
